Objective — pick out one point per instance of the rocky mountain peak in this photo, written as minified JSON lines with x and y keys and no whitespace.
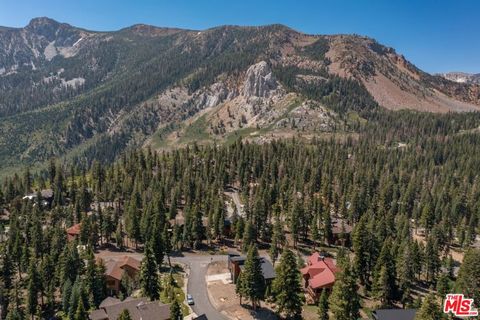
{"x":43,"y":26}
{"x":259,"y":81}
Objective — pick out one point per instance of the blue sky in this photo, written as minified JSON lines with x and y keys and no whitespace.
{"x":436,"y":35}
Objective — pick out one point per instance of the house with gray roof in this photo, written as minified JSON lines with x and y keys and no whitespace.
{"x":394,"y":314}
{"x":139,"y":309}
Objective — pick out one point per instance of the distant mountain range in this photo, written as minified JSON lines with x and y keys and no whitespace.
{"x":462,"y":77}
{"x":89,"y":95}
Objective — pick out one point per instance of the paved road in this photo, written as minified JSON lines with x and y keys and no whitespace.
{"x":197,"y":285}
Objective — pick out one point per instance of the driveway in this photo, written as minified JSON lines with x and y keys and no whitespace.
{"x":236,"y":199}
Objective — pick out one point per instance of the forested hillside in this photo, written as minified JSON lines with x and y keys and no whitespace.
{"x":406,"y":173}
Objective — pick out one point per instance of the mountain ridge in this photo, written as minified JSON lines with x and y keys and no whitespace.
{"x":102,"y":92}
{"x":462,"y":77}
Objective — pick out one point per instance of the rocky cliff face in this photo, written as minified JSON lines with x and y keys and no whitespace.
{"x":259,"y":81}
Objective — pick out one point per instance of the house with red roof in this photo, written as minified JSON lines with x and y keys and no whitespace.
{"x":319,"y":274}
{"x":74,"y":231}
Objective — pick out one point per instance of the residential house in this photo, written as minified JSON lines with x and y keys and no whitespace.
{"x":236,"y":265}
{"x":319,"y":274}
{"x":46,"y":194}
{"x":74,"y":232}
{"x":394,"y":314}
{"x":105,"y":205}
{"x":139,"y":309}
{"x":341,"y":232}
{"x":116,"y":268}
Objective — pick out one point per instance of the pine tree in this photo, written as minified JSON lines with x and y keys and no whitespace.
{"x":361,"y":242}
{"x":344,"y":300}
{"x":248,"y":236}
{"x":443,"y":285}
{"x":149,"y":275}
{"x":239,"y":229}
{"x":93,"y":280}
{"x":315,"y":232}
{"x":278,"y":240}
{"x":66,"y":293}
{"x":133,"y":222}
{"x":252,"y":282}
{"x":7,"y":271}
{"x":323,"y":306}
{"x":327,"y":226}
{"x":406,"y":273}
{"x":125,"y":315}
{"x":198,"y":231}
{"x":167,"y":241}
{"x":176,"y":311}
{"x":287,"y":289}
{"x":429,"y":310}
{"x":15,"y":314}
{"x":294,"y":221}
{"x":81,"y":313}
{"x":78,"y":297}
{"x":119,"y":236}
{"x":32,"y":289}
{"x":432,"y":260}
{"x":239,"y":288}
{"x":157,"y":242}
{"x":384,"y":286}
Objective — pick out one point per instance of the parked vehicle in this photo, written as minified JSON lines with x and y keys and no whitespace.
{"x":190,"y":300}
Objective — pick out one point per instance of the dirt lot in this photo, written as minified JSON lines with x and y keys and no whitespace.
{"x":456,"y":253}
{"x":224,"y":299}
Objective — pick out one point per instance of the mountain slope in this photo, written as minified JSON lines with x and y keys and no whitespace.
{"x":89,"y":95}
{"x":461,"y":77}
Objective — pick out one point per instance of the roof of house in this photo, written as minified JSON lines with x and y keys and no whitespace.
{"x":154,"y":310}
{"x":75,"y":229}
{"x":340,"y":226}
{"x":109,"y":301}
{"x":394,"y":314}
{"x":99,"y":314}
{"x":47,"y":193}
{"x":139,"y":309}
{"x":268,"y":271}
{"x":131,"y":262}
{"x":236,"y":258}
{"x":116,"y":267}
{"x":4,"y":214}
{"x":321,"y":271}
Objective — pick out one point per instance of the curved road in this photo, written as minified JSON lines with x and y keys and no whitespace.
{"x":197,"y":285}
